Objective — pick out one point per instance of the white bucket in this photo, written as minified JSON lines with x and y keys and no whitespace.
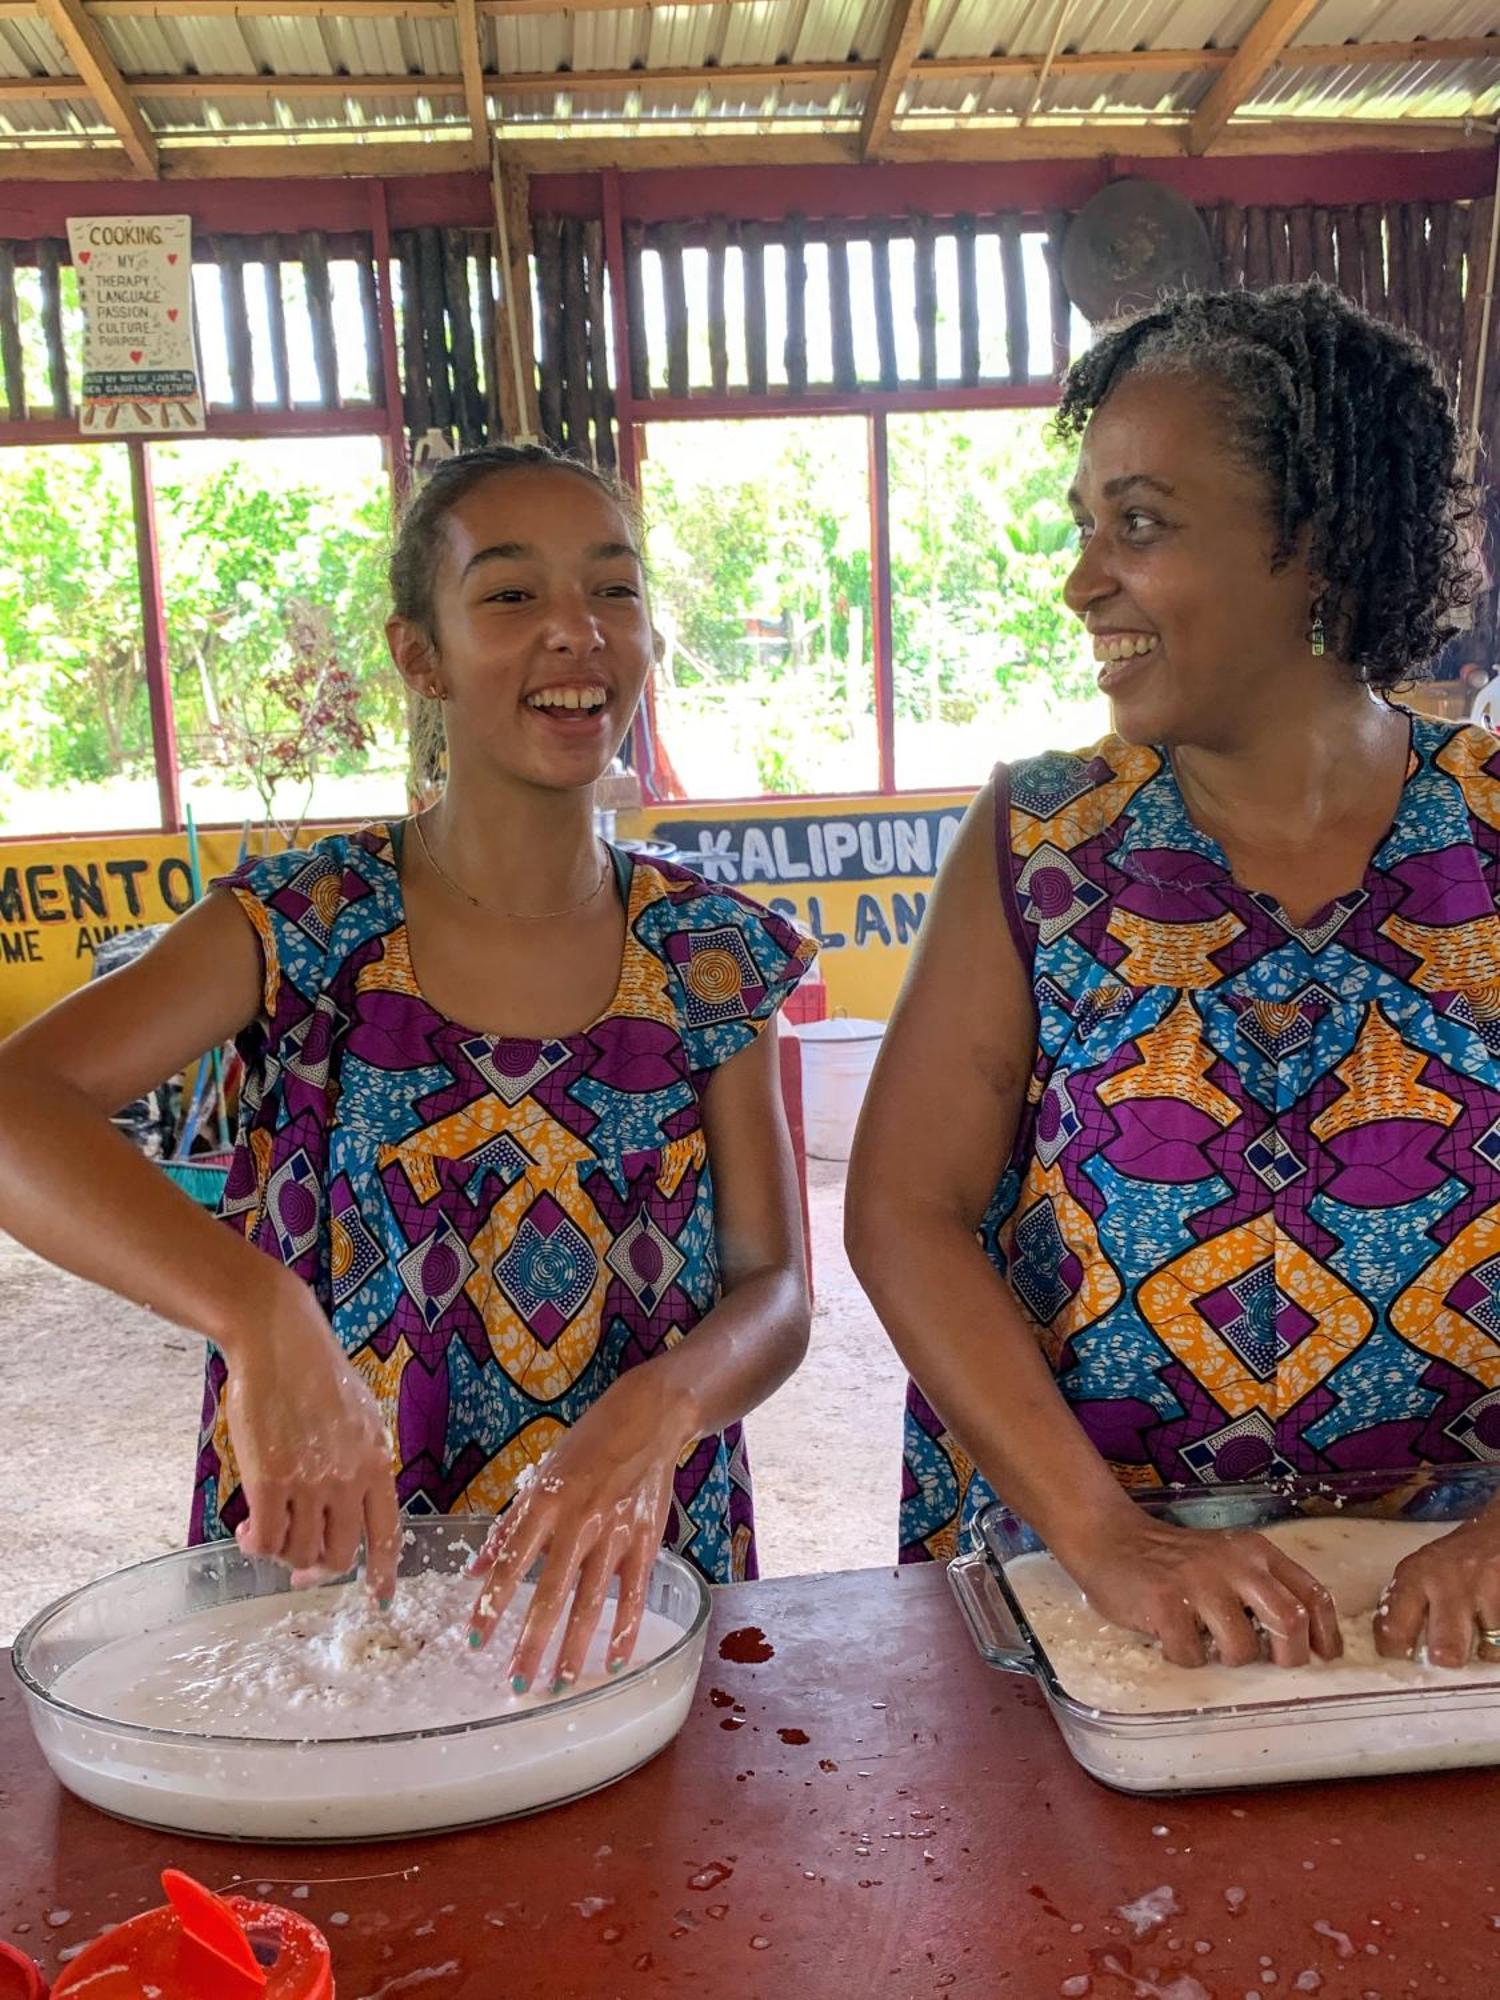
{"x":837,"y":1058}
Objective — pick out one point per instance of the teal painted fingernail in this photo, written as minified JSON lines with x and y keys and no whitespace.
{"x":615,"y":1666}
{"x":385,"y":1603}
{"x":519,"y":1683}
{"x":476,"y":1639}
{"x":562,"y":1681}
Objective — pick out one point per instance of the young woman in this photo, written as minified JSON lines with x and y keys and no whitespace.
{"x":1182,"y":1161}
{"x":512,"y":1177}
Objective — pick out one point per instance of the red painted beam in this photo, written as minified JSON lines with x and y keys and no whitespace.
{"x":883,"y":643}
{"x":154,"y":622}
{"x":768,"y":194}
{"x":355,"y":422}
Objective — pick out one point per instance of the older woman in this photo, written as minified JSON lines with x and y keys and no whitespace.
{"x":1182,"y":1160}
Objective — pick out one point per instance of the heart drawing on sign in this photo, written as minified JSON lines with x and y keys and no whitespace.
{"x":171,"y":312}
{"x":84,"y":256}
{"x":171,"y":256}
{"x":135,"y":353}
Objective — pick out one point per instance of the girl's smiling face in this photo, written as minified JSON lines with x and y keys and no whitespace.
{"x":542,"y":641}
{"x":1192,"y":628}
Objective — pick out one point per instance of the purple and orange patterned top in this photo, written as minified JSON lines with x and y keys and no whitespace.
{"x":1253,"y":1207}
{"x":496,"y":1227}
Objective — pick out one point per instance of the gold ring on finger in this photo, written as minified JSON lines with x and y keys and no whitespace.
{"x":1489,"y":1642}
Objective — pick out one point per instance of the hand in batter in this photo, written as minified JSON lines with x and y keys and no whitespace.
{"x":312,"y":1449}
{"x":1188,"y":1588}
{"x":595,"y":1511}
{"x":1447,"y":1592}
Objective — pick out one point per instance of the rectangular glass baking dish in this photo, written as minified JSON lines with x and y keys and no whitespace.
{"x":1259,"y":1743}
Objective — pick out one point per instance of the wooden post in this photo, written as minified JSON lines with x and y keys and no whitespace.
{"x":601,"y":394}
{"x":1017,"y":333}
{"x":320,"y":313}
{"x":885,"y":310}
{"x":1372,"y":263}
{"x":577,"y":408}
{"x":965,"y":229}
{"x":1350,"y":254}
{"x":154,"y":627}
{"x":625,"y":334}
{"x":398,"y":460}
{"x":229,"y":255}
{"x":840,"y":310}
{"x":1061,"y":306}
{"x":753,"y":248}
{"x":796,"y":305}
{"x":674,"y":306}
{"x":49,"y":260}
{"x":417,"y":400}
{"x":468,"y":403}
{"x":270,"y":264}
{"x":433,"y":320}
{"x":718,"y":331}
{"x":10,"y":337}
{"x":484,"y":248}
{"x":515,"y":359}
{"x":925,"y":289}
{"x":549,"y":286}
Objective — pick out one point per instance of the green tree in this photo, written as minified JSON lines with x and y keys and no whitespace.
{"x":240,"y":557}
{"x":73,"y":702}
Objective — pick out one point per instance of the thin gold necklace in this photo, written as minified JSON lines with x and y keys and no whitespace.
{"x":514,"y":916}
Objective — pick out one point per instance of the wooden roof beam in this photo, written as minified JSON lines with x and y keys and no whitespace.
{"x":101,"y":78}
{"x":741,"y":76}
{"x":1049,"y":139}
{"x":903,"y":42}
{"x":471,"y":61}
{"x":1272,"y":29}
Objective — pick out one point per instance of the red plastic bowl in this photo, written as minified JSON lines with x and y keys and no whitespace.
{"x":20,"y":1976}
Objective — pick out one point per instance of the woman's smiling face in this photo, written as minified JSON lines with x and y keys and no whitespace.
{"x":542,"y":641}
{"x":1192,"y":628}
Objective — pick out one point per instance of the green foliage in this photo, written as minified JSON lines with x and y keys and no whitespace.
{"x":72,"y":689}
{"x":260,"y":579}
{"x":761,"y":573}
{"x":239,"y":556}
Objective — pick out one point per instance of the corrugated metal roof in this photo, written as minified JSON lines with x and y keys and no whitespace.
{"x":632,"y":42}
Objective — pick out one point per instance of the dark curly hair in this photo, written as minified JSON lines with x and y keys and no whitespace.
{"x":418,"y":546}
{"x":1348,"y":421}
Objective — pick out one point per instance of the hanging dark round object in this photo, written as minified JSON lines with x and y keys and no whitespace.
{"x":1131,"y":242}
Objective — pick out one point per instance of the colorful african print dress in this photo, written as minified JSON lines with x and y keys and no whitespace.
{"x":496,"y":1227}
{"x":1253,"y":1209}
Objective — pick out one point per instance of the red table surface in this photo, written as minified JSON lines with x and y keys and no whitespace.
{"x":930,"y":1836}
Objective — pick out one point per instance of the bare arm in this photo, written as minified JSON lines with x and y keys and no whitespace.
{"x":938,"y":1124}
{"x":311,"y":1447}
{"x":74,"y":1189}
{"x":937,"y":1130}
{"x":601,"y":1508}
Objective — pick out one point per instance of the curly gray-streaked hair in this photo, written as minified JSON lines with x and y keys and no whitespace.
{"x":1348,"y":421}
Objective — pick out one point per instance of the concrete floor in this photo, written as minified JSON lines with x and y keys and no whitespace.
{"x":99,"y":1406}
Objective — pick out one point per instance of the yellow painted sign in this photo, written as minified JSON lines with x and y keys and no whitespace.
{"x":855,"y":872}
{"x":60,"y":899}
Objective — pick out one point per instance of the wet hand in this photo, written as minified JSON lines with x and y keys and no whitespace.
{"x":1199,"y":1591}
{"x":1445,"y":1594}
{"x":312,"y":1449}
{"x":595,"y":1511}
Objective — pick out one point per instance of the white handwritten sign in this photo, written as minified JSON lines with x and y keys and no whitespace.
{"x":140,"y":371}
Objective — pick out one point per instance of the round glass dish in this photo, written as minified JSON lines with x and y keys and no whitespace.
{"x":347,"y":1788}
